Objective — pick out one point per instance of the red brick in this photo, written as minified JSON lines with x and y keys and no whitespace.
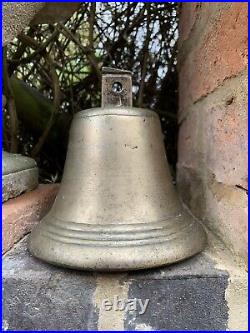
{"x":189,"y":12}
{"x":221,"y":54}
{"x":227,"y":214}
{"x":21,"y":214}
{"x":225,"y":136}
{"x":189,"y":142}
{"x":222,"y":208}
{"x":212,"y":147}
{"x":215,"y":133}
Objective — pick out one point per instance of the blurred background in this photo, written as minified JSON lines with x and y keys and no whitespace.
{"x":51,"y":71}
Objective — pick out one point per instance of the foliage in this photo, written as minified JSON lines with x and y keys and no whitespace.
{"x":63,"y":61}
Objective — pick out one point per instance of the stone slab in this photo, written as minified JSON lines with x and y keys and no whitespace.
{"x":187,"y":295}
{"x":194,"y":302}
{"x":19,"y":174}
{"x":42,"y":297}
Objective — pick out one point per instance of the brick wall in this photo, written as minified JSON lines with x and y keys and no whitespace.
{"x":212,"y":144}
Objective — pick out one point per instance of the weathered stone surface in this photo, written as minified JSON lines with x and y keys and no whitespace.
{"x":15,"y":162}
{"x":187,"y":295}
{"x":20,"y":215}
{"x":19,"y":174}
{"x":42,"y":297}
{"x":222,"y":53}
{"x":181,"y":304}
{"x":16,"y":16}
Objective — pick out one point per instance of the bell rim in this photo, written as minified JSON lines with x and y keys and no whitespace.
{"x":185,"y":244}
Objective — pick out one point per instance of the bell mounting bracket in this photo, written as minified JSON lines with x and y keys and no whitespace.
{"x":116,"y":87}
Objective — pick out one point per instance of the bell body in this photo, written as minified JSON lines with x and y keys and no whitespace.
{"x":116,"y":208}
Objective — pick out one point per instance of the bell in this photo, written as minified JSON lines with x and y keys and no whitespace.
{"x":117,"y":208}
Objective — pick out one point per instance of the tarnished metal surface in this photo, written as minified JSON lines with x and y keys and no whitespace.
{"x":117,"y":208}
{"x":116,"y":87}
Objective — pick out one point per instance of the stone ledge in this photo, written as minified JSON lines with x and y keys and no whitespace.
{"x":20,"y":214}
{"x":185,"y":296}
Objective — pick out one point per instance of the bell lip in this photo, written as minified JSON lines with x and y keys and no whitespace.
{"x":116,"y":111}
{"x":112,"y":259}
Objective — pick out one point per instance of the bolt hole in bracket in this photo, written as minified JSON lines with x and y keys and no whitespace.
{"x":116,"y":87}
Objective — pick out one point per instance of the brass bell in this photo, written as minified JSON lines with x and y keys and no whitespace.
{"x":116,"y":208}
